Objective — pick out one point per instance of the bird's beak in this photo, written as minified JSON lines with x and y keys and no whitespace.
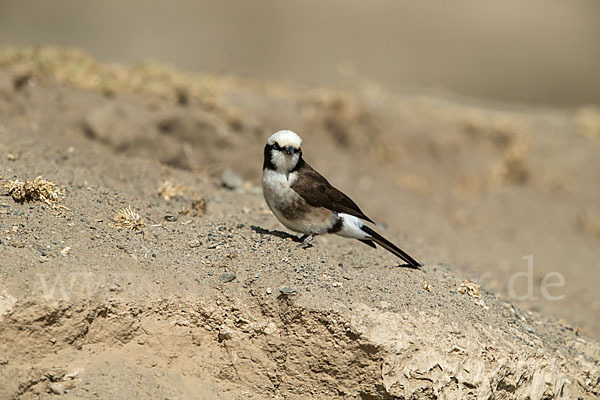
{"x":289,"y":150}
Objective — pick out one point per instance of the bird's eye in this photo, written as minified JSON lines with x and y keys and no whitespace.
{"x":276,"y":146}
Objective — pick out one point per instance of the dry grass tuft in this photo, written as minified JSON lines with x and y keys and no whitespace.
{"x":77,"y":68}
{"x":38,"y":189}
{"x":129,"y":219}
{"x":470,"y":288}
{"x":512,"y":168}
{"x":197,"y":208}
{"x":169,"y":190}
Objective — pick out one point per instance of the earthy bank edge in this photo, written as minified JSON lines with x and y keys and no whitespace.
{"x":151,"y":307}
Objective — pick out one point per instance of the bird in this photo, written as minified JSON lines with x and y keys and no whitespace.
{"x":305,"y":202}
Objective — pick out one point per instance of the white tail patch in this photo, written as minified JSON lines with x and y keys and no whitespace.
{"x":351,"y":227}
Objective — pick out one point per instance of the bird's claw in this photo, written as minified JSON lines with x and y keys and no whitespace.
{"x":306,"y":241}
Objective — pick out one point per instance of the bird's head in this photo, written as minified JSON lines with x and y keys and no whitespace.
{"x":283,"y":152}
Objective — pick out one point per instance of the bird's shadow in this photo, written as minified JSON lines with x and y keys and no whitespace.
{"x":285,"y":235}
{"x":279,"y":234}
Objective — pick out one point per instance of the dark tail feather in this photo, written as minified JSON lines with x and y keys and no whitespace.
{"x":389,"y":246}
{"x":368,"y":242}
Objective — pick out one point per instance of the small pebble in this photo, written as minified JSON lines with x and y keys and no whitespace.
{"x":57,"y":388}
{"x":225,"y":333}
{"x":170,"y":217}
{"x":227,"y":277}
{"x":270,"y":329}
{"x":194,"y":243}
{"x":231,"y":180}
{"x":269,"y":290}
{"x":287,"y":290}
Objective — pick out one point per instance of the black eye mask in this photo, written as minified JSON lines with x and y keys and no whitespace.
{"x":277,"y":147}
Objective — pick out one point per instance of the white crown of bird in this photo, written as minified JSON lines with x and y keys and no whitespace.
{"x":285,"y":138}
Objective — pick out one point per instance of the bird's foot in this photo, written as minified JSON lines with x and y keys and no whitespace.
{"x":306,"y":241}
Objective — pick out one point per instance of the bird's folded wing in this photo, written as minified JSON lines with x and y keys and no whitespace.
{"x":318,"y":192}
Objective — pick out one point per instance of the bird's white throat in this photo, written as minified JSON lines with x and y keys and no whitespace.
{"x":283,"y":162}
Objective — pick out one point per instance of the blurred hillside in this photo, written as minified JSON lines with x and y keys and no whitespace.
{"x":542,"y":52}
{"x":207,"y":297}
{"x":481,"y":188}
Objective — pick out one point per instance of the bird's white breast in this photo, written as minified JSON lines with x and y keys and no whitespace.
{"x":287,"y":206}
{"x":278,"y":193}
{"x":277,"y":187}
{"x":290,"y":208}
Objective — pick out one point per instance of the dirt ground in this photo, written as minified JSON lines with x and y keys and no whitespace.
{"x":210,"y":298}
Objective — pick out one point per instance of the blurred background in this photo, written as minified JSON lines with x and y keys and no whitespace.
{"x":535,"y":51}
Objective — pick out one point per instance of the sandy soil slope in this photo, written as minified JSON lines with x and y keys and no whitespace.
{"x":91,"y":310}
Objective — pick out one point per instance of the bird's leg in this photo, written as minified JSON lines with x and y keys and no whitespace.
{"x":306,"y":241}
